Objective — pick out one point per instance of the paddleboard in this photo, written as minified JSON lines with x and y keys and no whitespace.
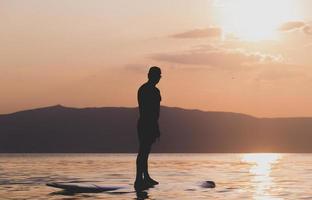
{"x":83,"y":187}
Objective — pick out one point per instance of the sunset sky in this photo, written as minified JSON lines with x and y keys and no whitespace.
{"x":246,"y":56}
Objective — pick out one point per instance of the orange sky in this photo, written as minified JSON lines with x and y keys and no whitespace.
{"x":247,"y":56}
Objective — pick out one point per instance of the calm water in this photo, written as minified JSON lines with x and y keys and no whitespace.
{"x":238,"y":176}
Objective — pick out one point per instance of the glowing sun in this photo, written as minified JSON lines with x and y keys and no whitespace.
{"x":256,"y":19}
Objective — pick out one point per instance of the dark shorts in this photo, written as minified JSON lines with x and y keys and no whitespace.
{"x":148,"y":131}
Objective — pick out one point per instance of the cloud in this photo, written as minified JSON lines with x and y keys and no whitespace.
{"x":296,"y":25}
{"x":256,"y":65}
{"x":289,"y":26}
{"x":307,"y":30}
{"x":140,"y":68}
{"x":217,"y":58}
{"x":199,"y":33}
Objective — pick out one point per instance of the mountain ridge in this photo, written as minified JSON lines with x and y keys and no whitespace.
{"x":61,"y":129}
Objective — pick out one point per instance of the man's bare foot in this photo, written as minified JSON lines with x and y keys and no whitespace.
{"x":151,"y":181}
{"x":142,"y":185}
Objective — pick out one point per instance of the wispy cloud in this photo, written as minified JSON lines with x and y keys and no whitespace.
{"x":289,"y":26}
{"x":199,"y":33}
{"x":308,"y":30}
{"x":140,"y":68}
{"x":217,"y":57}
{"x":296,"y":25}
{"x":258,"y":65}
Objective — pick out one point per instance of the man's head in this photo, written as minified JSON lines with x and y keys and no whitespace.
{"x":154,"y":75}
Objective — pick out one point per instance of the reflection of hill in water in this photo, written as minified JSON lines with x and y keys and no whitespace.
{"x":62,"y":129}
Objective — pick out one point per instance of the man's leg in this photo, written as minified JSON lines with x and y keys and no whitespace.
{"x":145,"y":170}
{"x":147,"y":177}
{"x":139,"y":167}
{"x":140,"y":161}
{"x":140,"y":164}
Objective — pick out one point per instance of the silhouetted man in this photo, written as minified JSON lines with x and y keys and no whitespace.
{"x":148,"y":130}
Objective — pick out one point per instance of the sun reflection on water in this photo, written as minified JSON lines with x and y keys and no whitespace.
{"x":261,"y":166}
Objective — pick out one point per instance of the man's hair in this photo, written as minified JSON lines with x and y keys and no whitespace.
{"x":154,"y":70}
